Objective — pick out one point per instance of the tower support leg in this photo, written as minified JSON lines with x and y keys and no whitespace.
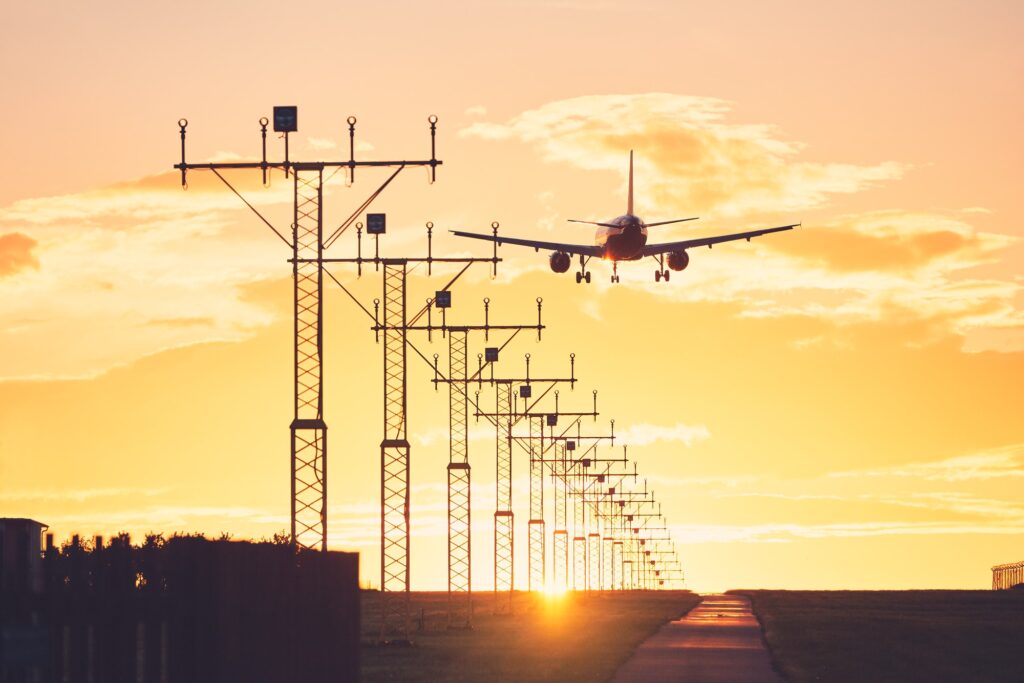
{"x":537,"y":537}
{"x":460,"y":589}
{"x":504,"y":518}
{"x":308,"y":429}
{"x":394,"y":454}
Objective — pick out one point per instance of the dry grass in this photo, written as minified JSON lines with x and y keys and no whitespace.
{"x":574,"y":637}
{"x":903,"y":636}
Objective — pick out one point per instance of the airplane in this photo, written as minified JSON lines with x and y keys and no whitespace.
{"x":624,"y":239}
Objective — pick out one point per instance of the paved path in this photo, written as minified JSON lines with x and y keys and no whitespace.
{"x":719,"y":641}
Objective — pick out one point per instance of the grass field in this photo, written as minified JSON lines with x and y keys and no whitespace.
{"x":573,"y":637}
{"x":881,"y":636}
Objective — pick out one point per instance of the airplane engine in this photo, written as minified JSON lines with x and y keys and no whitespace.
{"x":559,"y":262}
{"x":678,"y":260}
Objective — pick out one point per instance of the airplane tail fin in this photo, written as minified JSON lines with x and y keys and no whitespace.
{"x":629,"y":204}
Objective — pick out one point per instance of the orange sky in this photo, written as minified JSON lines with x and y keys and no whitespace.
{"x":837,"y":406}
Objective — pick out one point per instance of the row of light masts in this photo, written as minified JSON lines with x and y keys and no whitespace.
{"x":618,"y":514}
{"x":605,"y":508}
{"x":308,"y":244}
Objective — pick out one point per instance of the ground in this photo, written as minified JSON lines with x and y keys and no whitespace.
{"x":572,"y":637}
{"x":903,"y":636}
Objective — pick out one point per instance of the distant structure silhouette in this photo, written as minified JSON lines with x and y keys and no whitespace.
{"x":181,"y":610}
{"x":1007,"y":576}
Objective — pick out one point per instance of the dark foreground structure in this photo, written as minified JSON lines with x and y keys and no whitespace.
{"x":185,"y":610}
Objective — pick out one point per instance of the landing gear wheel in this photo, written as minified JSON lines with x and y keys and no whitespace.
{"x":587,"y":278}
{"x":579,"y":278}
{"x":666,"y":275}
{"x":657,"y":276}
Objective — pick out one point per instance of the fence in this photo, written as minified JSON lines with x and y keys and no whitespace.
{"x":186,"y":611}
{"x":1007,"y":575}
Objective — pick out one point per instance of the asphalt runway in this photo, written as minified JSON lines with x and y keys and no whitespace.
{"x":719,"y":641}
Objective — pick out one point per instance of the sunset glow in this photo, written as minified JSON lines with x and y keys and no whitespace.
{"x":837,"y":406}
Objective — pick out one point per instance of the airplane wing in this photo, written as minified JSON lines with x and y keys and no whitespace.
{"x":581,"y":249}
{"x":652,"y":249}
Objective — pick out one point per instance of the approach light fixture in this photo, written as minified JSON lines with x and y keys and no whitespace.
{"x":286,"y":119}
{"x":375,"y":223}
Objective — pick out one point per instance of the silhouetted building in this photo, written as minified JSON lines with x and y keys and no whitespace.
{"x":184,"y":610}
{"x":21,"y":555}
{"x":1008,"y":575}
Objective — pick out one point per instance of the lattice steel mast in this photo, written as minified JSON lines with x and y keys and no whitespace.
{"x":505,"y":416}
{"x":308,"y":429}
{"x":394,"y":461}
{"x":460,"y":584}
{"x":460,"y":605}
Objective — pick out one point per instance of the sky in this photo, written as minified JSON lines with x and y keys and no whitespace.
{"x":837,"y":406}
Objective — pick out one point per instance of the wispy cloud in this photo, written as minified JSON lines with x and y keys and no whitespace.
{"x":730,"y":481}
{"x":731,"y":168}
{"x":181,"y":517}
{"x":321,"y":143}
{"x":644,"y":434}
{"x":479,"y":433}
{"x":16,"y":253}
{"x":920,"y":270}
{"x":78,"y":495}
{"x":163,"y":267}
{"x":1007,"y":462}
{"x":896,"y":268}
{"x":958,"y":502}
{"x":788,"y":533}
{"x":910,"y":244}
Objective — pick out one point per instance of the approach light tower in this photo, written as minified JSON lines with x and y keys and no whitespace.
{"x":307,"y":244}
{"x":505,"y":416}
{"x":394,"y":327}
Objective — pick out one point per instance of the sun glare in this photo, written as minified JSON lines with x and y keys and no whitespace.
{"x":554,"y":592}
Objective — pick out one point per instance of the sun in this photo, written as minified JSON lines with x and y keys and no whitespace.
{"x":554,"y":592}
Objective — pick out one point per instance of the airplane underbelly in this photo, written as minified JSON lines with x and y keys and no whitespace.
{"x":625,"y":246}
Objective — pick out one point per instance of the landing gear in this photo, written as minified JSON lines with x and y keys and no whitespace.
{"x":666,"y":274}
{"x":662,"y":272}
{"x":615,"y":271}
{"x":584,"y":274}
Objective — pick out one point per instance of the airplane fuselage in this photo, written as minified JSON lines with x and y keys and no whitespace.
{"x":625,"y":241}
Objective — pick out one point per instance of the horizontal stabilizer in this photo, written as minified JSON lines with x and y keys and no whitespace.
{"x":677,"y":220}
{"x":603,"y":225}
